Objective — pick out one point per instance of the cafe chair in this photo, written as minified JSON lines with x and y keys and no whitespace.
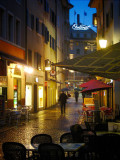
{"x":66,"y":138}
{"x":89,"y":128}
{"x":24,"y":114}
{"x":81,"y":135}
{"x":108,"y":114}
{"x":51,"y":151}
{"x":111,"y":140}
{"x":93,"y":147}
{"x":76,"y":131}
{"x":13,"y":151}
{"x":38,"y":139}
{"x":14,"y":117}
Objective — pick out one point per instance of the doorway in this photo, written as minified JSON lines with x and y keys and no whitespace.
{"x":35,"y":98}
{"x":17,"y":92}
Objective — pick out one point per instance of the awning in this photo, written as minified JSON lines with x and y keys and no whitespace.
{"x":94,"y":85}
{"x":12,"y":58}
{"x":104,"y":63}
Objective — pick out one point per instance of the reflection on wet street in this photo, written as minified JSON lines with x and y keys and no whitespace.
{"x":48,"y":121}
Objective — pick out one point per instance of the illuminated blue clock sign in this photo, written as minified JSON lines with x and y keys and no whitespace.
{"x":80,"y":27}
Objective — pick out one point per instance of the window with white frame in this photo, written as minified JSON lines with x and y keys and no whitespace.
{"x":18,"y":31}
{"x":10,"y":27}
{"x":2,"y":23}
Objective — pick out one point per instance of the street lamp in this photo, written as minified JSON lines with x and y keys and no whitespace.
{"x":103,"y":43}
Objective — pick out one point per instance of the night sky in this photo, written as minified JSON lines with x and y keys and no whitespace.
{"x":81,"y":7}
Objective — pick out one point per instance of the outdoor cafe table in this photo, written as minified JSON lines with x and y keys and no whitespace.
{"x":68,"y":147}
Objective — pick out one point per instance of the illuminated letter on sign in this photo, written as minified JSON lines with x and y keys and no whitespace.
{"x":81,"y":27}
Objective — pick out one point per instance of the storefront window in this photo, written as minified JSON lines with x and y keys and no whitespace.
{"x":28,"y":99}
{"x":40,"y":96}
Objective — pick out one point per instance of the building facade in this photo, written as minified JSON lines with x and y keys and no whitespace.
{"x":12,"y":52}
{"x":32,"y":37}
{"x":108,"y":27}
{"x":46,"y":30}
{"x":82,"y":42}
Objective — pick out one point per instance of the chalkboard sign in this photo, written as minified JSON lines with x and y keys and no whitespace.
{"x":2,"y":105}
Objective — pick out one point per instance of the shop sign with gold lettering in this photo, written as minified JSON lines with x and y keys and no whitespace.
{"x":3,"y":81}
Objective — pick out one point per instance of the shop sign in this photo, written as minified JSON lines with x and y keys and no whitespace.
{"x":17,"y":71}
{"x":3,"y":80}
{"x":88,"y":100}
{"x":52,"y":73}
{"x":80,"y":27}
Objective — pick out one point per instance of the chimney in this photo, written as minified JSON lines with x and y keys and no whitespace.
{"x":78,"y":19}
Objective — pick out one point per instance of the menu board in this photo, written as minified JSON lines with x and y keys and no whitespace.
{"x":2,"y":105}
{"x":88,"y":100}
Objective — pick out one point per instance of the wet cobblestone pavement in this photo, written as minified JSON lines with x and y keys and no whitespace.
{"x":48,"y":121}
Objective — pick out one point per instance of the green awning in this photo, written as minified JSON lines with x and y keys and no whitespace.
{"x":104,"y":63}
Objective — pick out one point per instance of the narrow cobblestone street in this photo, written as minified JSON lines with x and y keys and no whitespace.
{"x":48,"y":121}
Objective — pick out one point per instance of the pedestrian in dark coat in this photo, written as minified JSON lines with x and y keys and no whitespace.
{"x":63,"y":99}
{"x":76,"y":95}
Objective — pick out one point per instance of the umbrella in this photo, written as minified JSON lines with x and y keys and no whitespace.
{"x":95,"y":85}
{"x":86,"y":84}
{"x":65,"y":89}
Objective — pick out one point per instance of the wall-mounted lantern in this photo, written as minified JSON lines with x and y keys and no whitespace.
{"x":47,"y":65}
{"x":103,"y":43}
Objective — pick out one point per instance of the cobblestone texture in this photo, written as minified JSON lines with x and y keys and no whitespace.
{"x":48,"y":121}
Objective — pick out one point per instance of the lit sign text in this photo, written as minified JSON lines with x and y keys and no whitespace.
{"x":81,"y":27}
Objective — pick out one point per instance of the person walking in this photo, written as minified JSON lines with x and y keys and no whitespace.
{"x":63,"y":99}
{"x":76,"y":96}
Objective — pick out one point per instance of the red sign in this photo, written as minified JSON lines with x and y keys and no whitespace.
{"x":52,"y":73}
{"x":46,"y":83}
{"x":15,"y":86}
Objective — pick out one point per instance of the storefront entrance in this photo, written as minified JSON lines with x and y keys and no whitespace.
{"x":40,"y":89}
{"x":17,"y":92}
{"x":28,"y":99}
{"x":35,"y":98}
